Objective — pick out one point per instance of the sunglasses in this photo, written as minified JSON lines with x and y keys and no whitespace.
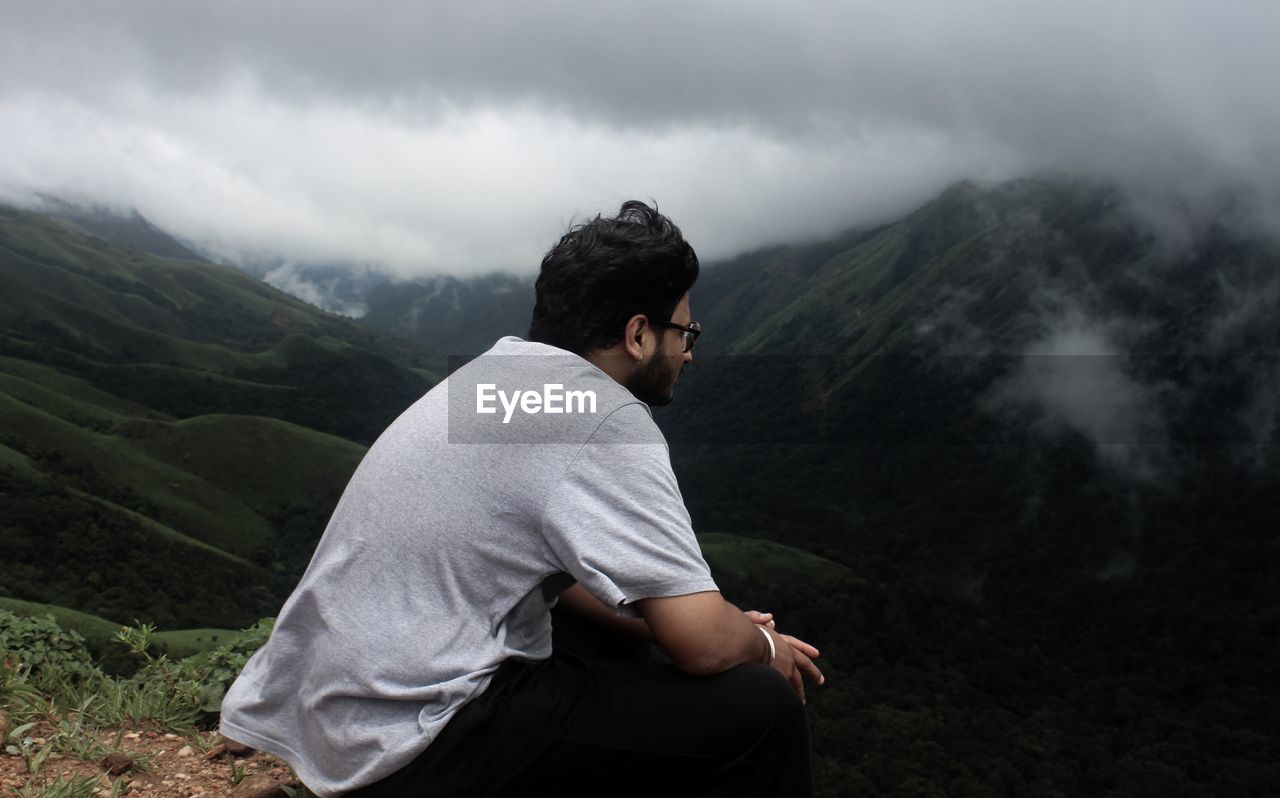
{"x":689,"y":332}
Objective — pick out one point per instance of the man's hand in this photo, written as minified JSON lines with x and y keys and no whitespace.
{"x":704,"y":634}
{"x":801,"y":655}
{"x":766,"y":619}
{"x":792,"y":662}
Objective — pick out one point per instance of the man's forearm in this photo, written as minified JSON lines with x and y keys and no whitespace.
{"x":704,"y":634}
{"x":578,"y":601}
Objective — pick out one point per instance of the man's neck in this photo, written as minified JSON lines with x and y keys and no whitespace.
{"x":612,"y":361}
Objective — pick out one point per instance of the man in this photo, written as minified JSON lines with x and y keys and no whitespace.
{"x":415,"y":656}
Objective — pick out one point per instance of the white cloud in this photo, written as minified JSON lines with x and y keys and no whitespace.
{"x":1075,"y":377}
{"x":423,"y":137}
{"x":471,"y":191}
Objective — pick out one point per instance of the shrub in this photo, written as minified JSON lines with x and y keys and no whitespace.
{"x":44,"y":649}
{"x":195,"y":685}
{"x":214,"y":670}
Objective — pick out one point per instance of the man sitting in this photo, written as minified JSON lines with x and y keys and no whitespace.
{"x":415,"y":656}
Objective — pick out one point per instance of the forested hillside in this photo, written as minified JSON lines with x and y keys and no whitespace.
{"x":175,"y":433}
{"x":1039,"y":431}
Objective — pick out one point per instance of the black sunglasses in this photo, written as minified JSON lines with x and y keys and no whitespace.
{"x":690,"y":331}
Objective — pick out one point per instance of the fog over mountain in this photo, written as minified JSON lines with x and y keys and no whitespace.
{"x":431,"y":138}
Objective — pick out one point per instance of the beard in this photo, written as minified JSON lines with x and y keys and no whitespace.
{"x":655,"y":383}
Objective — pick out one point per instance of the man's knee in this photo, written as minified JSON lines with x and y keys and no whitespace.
{"x":767,"y":693}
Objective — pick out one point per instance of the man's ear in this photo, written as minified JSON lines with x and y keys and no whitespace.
{"x":633,"y":339}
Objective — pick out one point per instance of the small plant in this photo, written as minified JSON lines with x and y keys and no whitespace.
{"x":76,"y":787}
{"x":46,"y":676}
{"x":214,"y":670}
{"x":74,"y":736}
{"x":176,"y":694}
{"x":17,"y":696}
{"x":205,"y":741}
{"x":160,"y":703}
{"x":51,"y":655}
{"x":18,"y":743}
{"x":158,"y":693}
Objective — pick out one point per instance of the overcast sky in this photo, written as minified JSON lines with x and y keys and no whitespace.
{"x":424,"y":137}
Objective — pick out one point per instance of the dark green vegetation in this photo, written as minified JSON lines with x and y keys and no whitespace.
{"x":1062,"y":568}
{"x":173,"y":434}
{"x":450,"y":315}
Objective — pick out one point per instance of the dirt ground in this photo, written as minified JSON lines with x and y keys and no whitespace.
{"x":152,"y":765}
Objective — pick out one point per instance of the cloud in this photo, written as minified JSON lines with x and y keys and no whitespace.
{"x":323,"y":293}
{"x":1075,"y":377}
{"x":426,"y":137}
{"x":245,"y":177}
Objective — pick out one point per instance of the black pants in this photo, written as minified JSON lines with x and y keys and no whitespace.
{"x":600,"y":725}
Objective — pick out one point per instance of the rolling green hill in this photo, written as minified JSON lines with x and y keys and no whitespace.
{"x":173,"y":434}
{"x":1040,"y":432}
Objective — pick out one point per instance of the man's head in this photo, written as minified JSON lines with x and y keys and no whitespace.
{"x":611,"y":290}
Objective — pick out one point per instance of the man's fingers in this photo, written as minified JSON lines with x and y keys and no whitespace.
{"x":801,"y":646}
{"x":805,"y":665}
{"x":797,"y":682}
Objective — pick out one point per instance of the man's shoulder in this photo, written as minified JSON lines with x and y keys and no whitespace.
{"x":527,"y":392}
{"x":542,"y":364}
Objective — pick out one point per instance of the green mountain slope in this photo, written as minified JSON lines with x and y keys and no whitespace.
{"x":1041,"y":434}
{"x":173,"y":434}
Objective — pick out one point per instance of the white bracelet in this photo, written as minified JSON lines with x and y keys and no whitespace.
{"x":773,"y":650}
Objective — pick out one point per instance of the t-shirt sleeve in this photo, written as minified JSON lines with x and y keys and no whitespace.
{"x":616,"y":520}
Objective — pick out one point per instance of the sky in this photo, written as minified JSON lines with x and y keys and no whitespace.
{"x":428,"y":137}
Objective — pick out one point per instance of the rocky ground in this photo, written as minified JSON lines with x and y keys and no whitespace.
{"x":148,"y":764}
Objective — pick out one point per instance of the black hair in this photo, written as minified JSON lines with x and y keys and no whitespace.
{"x":604,"y":271}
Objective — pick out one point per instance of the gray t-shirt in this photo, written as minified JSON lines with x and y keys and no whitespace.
{"x":446,"y":551}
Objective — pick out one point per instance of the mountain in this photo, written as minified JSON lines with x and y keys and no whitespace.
{"x":175,"y":433}
{"x":1039,"y":429}
{"x":129,"y":229}
{"x":458,"y":316}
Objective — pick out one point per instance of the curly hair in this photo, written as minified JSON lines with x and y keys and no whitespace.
{"x":604,"y":271}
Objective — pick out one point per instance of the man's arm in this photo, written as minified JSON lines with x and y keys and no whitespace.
{"x":704,"y":634}
{"x":578,"y":601}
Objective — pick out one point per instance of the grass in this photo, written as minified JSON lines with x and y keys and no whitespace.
{"x":60,"y":704}
{"x":183,"y":643}
{"x":100,"y":633}
{"x":17,"y":462}
{"x":249,"y":454}
{"x":220,"y":478}
{"x":201,"y":510}
{"x":764,"y":561}
{"x":74,"y":388}
{"x":97,"y":632}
